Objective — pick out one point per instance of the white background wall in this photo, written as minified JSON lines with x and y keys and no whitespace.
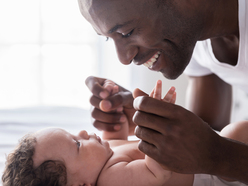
{"x":47,"y":50}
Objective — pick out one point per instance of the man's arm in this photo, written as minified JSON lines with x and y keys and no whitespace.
{"x":232,"y":160}
{"x":210,"y":98}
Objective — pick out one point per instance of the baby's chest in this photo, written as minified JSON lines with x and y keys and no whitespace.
{"x":126,"y":153}
{"x":116,"y":167}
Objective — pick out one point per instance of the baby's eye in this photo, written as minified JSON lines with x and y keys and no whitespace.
{"x":78,"y":144}
{"x":127,"y":35}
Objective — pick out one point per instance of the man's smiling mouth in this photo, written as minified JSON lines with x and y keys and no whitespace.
{"x":153,"y":59}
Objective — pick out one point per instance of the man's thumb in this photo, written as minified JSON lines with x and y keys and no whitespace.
{"x":137,"y":92}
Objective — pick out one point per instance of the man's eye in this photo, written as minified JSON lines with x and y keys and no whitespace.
{"x":127,"y":35}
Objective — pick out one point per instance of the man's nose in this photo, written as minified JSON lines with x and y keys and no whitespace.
{"x":125,"y":52}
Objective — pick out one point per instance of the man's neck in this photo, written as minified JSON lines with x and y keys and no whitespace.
{"x":222,"y":20}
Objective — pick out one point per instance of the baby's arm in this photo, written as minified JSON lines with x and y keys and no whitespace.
{"x":137,"y":173}
{"x":121,"y":134}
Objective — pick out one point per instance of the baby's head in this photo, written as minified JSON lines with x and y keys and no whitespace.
{"x":53,"y":156}
{"x":19,"y":168}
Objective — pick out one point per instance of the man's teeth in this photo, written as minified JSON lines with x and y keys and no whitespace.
{"x":150,"y":62}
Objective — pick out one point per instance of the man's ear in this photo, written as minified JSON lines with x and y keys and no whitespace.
{"x":137,"y":92}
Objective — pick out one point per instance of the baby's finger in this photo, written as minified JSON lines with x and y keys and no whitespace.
{"x":115,"y":89}
{"x":152,"y":93}
{"x":158,"y":90}
{"x":109,"y":85}
{"x":173,"y":99}
{"x":168,"y":97}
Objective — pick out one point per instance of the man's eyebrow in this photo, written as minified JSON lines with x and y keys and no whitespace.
{"x":118,"y":26}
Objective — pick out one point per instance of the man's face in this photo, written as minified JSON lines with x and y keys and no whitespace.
{"x":159,"y":34}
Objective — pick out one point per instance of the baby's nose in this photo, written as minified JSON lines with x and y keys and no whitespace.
{"x":83,"y":134}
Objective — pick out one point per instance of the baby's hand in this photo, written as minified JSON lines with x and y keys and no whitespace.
{"x":156,"y":93}
{"x":112,"y":88}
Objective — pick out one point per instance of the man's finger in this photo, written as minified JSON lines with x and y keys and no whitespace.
{"x":95,"y":86}
{"x":149,"y":149}
{"x":148,"y":135}
{"x":137,"y":92}
{"x":104,"y":126}
{"x":106,"y":117}
{"x":117,"y":100}
{"x":157,"y":107}
{"x":154,"y":122}
{"x":95,"y":101}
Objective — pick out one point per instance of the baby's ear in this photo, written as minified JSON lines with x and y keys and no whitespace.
{"x":137,"y":92}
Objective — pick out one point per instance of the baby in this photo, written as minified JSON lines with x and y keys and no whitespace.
{"x":53,"y":156}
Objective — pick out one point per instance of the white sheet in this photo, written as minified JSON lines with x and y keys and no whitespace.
{"x":16,"y":123}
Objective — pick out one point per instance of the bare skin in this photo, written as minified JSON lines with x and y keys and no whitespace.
{"x":89,"y":160}
{"x":108,"y":118}
{"x":129,"y":166}
{"x":210,"y":98}
{"x":137,"y":38}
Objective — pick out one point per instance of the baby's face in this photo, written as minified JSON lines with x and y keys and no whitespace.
{"x":84,"y":155}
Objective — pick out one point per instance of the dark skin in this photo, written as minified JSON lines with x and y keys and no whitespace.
{"x":172,"y":27}
{"x":216,"y":109}
{"x":108,"y":118}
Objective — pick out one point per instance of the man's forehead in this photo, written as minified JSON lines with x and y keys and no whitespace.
{"x":87,"y":6}
{"x":106,"y":14}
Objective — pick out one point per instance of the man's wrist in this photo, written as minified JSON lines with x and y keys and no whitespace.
{"x":231,"y":160}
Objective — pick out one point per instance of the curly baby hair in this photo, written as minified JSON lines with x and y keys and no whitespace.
{"x":19,"y":170}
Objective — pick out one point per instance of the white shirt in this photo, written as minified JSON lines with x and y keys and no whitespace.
{"x":203,"y":61}
{"x":210,"y":180}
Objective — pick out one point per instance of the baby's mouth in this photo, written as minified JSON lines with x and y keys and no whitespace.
{"x":98,"y":139}
{"x":153,"y":59}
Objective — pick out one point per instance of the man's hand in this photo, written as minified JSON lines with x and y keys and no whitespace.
{"x":182,"y":142}
{"x":175,"y":137}
{"x":110,"y":111}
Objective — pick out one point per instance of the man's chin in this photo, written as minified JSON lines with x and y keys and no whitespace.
{"x":171,"y":76}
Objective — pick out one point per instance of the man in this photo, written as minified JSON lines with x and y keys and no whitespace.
{"x":162,"y":35}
